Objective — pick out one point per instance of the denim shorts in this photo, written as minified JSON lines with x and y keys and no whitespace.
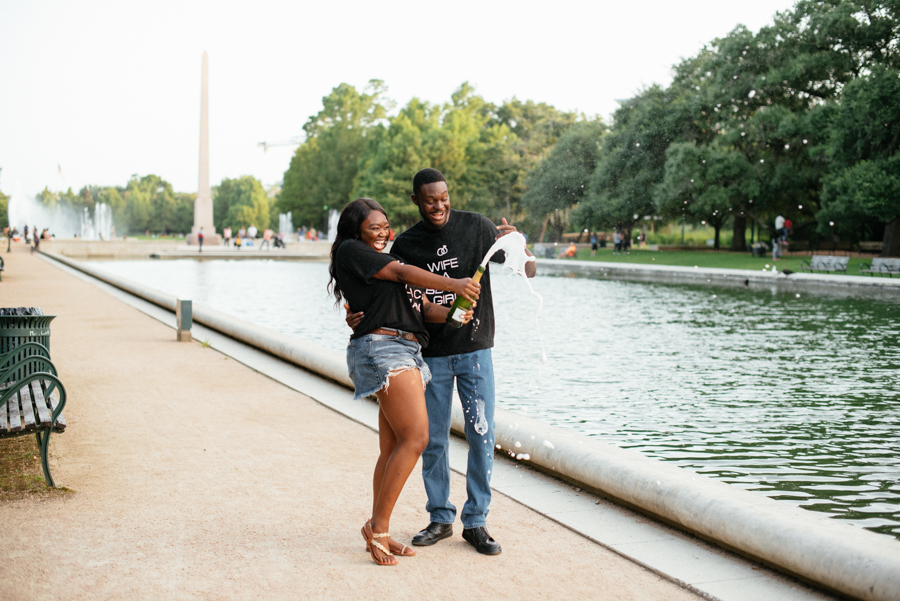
{"x":371,"y":358}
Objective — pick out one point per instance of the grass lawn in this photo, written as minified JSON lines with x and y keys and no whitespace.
{"x":706,"y":258}
{"x":21,"y":474}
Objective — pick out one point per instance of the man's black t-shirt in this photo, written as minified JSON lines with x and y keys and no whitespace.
{"x":384,"y":304}
{"x":455,"y":251}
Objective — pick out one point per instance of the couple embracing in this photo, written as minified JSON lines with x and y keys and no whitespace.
{"x":397,"y":305}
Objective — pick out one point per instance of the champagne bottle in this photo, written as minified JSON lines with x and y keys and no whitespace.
{"x":461,"y":305}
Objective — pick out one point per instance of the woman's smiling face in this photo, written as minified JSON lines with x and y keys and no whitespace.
{"x":375,"y":230}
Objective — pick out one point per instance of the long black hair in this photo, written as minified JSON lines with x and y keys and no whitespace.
{"x":348,"y":228}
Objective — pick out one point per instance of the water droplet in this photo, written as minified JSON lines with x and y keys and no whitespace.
{"x":481,"y":425}
{"x":549,"y":444}
{"x":752,"y":92}
{"x":518,"y":445}
{"x":499,"y":447}
{"x":762,"y":160}
{"x":787,"y":146}
{"x":798,"y":295}
{"x":658,"y":483}
{"x":805,"y":141}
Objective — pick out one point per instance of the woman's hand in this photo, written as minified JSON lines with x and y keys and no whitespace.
{"x":467,"y":288}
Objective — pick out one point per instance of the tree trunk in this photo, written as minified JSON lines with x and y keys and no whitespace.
{"x":718,"y":229}
{"x":739,"y":237}
{"x":890,"y":247}
{"x":544,"y":228}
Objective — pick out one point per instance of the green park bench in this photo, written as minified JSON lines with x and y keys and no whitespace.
{"x":826,"y":263}
{"x":882,"y":266}
{"x":32,"y":397}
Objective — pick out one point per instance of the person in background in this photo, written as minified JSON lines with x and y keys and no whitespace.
{"x":242,"y":233}
{"x":569,"y":253}
{"x":200,"y":240}
{"x":226,"y":237}
{"x":251,"y":233}
{"x":776,"y":239}
{"x":384,"y":355}
{"x":594,"y":243}
{"x":267,"y":237}
{"x":238,"y":241}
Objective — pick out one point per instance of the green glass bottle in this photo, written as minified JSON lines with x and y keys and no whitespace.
{"x":461,"y":305}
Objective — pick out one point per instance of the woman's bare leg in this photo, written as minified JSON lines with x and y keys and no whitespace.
{"x":386,"y":443}
{"x":403,"y":407}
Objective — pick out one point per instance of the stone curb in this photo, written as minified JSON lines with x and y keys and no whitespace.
{"x":839,"y":556}
{"x":677,"y":274}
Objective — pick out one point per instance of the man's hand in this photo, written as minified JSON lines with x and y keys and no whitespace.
{"x":505,"y":228}
{"x":353,"y":319}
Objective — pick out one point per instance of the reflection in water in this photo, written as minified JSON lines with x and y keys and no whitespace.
{"x":796,"y":398}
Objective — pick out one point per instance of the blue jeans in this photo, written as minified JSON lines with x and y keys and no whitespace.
{"x":474,"y":374}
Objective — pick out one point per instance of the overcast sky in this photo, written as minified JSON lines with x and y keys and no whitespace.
{"x":107,"y":90}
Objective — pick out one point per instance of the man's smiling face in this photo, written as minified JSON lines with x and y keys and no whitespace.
{"x":433,"y":201}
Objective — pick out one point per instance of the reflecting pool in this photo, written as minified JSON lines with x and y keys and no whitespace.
{"x":795,"y":397}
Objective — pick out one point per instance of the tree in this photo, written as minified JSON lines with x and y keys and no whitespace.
{"x":865,"y":140}
{"x":324,"y":167}
{"x":534,"y":128}
{"x":562,"y":179}
{"x":241,"y":202}
{"x":705,"y":184}
{"x":632,"y":158}
{"x":460,"y":138}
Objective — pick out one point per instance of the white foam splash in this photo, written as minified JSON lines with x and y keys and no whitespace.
{"x":513,"y":246}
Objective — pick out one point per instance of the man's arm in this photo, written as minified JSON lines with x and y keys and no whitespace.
{"x":506,"y":228}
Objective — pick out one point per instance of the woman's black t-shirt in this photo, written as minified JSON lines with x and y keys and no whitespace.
{"x":384,"y":304}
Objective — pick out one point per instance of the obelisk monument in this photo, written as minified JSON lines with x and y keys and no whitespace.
{"x":203,"y":206}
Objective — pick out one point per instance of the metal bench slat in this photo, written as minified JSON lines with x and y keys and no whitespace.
{"x":27,"y":408}
{"x":40,"y":404}
{"x":4,"y":428}
{"x":12,"y":408}
{"x":54,"y":401}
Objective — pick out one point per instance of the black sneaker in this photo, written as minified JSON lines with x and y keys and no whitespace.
{"x":479,"y":538}
{"x":433,"y":533}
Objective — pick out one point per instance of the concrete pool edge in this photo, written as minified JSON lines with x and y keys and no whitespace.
{"x":676,"y":274}
{"x":838,"y":556}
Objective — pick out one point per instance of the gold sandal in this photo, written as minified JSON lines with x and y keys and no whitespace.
{"x":404,"y":551}
{"x":372,"y":544}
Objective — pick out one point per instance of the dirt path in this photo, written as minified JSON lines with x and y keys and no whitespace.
{"x":197,"y":478}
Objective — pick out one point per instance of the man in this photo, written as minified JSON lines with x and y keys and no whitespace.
{"x":453,"y":243}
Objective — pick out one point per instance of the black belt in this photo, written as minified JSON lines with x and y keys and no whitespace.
{"x":400,"y":333}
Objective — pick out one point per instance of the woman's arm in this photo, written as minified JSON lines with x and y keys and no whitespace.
{"x":395,"y":271}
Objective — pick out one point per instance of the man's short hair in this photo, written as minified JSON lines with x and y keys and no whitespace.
{"x":425,"y":177}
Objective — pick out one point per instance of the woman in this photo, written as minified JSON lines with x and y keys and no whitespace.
{"x":384,"y":355}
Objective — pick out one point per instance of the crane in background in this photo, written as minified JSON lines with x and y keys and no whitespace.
{"x":292,"y":142}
